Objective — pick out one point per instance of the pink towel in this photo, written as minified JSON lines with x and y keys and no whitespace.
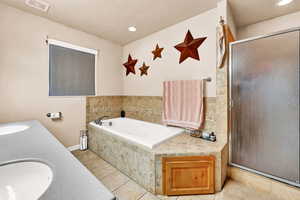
{"x":183,"y":103}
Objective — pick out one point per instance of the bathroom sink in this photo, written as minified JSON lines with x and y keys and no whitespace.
{"x":9,"y":129}
{"x":26,"y":180}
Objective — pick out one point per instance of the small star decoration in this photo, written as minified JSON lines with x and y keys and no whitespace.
{"x":129,"y":65}
{"x":189,"y":48}
{"x":144,"y":69}
{"x":157,"y":52}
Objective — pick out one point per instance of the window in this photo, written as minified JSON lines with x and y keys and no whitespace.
{"x":71,"y":69}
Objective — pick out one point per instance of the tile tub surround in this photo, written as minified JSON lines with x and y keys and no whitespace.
{"x":126,"y":189}
{"x":145,"y":108}
{"x":129,"y":158}
{"x":149,"y":108}
{"x":103,"y":106}
{"x":144,"y":165}
{"x":185,"y":145}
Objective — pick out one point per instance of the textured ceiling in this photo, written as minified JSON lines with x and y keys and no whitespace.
{"x":247,"y":12}
{"x":110,"y":19}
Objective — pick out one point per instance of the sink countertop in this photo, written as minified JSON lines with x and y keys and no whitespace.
{"x":71,"y":181}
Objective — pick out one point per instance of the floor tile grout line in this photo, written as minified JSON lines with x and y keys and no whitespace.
{"x":90,"y":169}
{"x":107,"y":174}
{"x":120,"y":186}
{"x":117,"y":170}
{"x":142,"y":195}
{"x":103,"y":176}
{"x":102,"y":167}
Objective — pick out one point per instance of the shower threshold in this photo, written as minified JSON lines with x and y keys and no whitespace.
{"x":266,"y":175}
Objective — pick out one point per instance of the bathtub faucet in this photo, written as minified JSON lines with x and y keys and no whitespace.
{"x":100,"y":122}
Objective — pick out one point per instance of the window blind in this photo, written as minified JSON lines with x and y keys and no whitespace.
{"x":71,"y":72}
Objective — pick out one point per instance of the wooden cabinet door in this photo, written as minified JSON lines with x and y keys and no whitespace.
{"x":188,"y":175}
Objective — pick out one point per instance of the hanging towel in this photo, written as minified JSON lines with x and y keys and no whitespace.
{"x":221,"y":44}
{"x":183,"y":103}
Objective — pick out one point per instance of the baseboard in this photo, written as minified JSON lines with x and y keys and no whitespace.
{"x":74,"y":148}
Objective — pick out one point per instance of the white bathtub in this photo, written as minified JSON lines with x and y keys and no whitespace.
{"x":140,"y":132}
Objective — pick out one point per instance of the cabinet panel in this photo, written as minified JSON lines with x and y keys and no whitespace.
{"x":189,"y":175}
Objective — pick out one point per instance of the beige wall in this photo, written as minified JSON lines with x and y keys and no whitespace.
{"x":24,"y":67}
{"x":24,"y":72}
{"x":230,"y":21}
{"x":270,"y":26}
{"x":168,"y":68}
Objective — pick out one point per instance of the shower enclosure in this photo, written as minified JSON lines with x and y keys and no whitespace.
{"x":264,"y":105}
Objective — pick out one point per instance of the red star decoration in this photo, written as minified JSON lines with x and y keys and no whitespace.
{"x":129,"y":65}
{"x":157,"y":52}
{"x":144,"y":69}
{"x":189,"y":48}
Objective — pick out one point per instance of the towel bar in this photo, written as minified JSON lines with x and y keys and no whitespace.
{"x":207,"y":79}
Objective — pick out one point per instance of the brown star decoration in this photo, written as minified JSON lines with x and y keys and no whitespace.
{"x":129,"y":65}
{"x":157,"y":52}
{"x":144,"y":69}
{"x":189,"y":48}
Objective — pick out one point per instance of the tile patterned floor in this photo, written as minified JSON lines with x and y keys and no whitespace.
{"x":126,"y":189}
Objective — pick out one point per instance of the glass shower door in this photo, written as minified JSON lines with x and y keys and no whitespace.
{"x":265,"y":109}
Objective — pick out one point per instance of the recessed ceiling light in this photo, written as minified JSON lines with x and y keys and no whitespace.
{"x":38,"y":4}
{"x":131,"y":29}
{"x":284,"y":2}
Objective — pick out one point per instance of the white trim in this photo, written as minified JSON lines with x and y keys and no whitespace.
{"x":96,"y":75}
{"x":74,"y":148}
{"x":72,"y":46}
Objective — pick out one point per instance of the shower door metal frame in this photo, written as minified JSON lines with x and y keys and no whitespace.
{"x":231,"y":105}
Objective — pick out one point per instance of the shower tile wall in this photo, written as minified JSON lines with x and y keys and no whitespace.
{"x":146,"y":108}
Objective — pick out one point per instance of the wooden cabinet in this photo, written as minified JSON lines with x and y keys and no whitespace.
{"x":188,"y":175}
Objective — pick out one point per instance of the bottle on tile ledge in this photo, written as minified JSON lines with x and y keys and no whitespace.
{"x":213,"y":137}
{"x":123,"y":114}
{"x":83,"y":140}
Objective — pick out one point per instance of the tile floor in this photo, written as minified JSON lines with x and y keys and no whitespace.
{"x":126,"y":189}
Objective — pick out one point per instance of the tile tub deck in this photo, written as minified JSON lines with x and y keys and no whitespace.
{"x":144,"y":166}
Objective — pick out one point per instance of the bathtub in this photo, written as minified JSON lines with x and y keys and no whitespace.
{"x":143,"y":133}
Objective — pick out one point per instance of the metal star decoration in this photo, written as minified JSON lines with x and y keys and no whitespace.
{"x":189,"y":48}
{"x":129,"y":65}
{"x":144,"y":69}
{"x":157,"y":52}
